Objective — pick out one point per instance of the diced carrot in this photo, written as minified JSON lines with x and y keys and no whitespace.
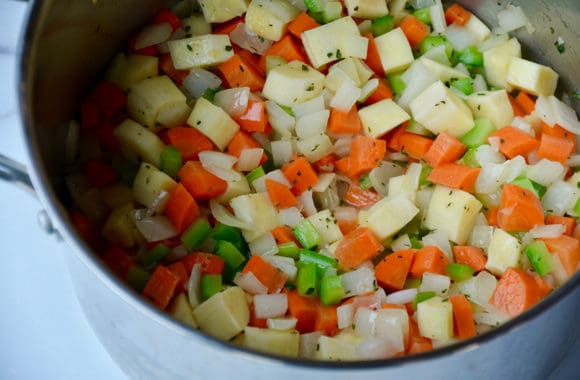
{"x":99,"y":173}
{"x":286,"y":48}
{"x":304,"y":309}
{"x":255,"y":118}
{"x":210,"y":263}
{"x":470,"y":255}
{"x":167,"y":16}
{"x":283,"y":234}
{"x":555,"y":148}
{"x":417,"y":343}
{"x":558,"y":131}
{"x":188,"y":141}
{"x":347,"y":226}
{"x":356,"y":247}
{"x":415,"y":30}
{"x":238,"y":73}
{"x":567,"y":249}
{"x":457,"y":14}
{"x":342,"y":165}
{"x":445,"y":148}
{"x":543,"y":287}
{"x":252,"y":60}
{"x":179,"y":270}
{"x":161,"y":286}
{"x":166,"y":65}
{"x":373,"y":59}
{"x":393,"y":138}
{"x":106,"y":136}
{"x":518,"y":111}
{"x":270,"y":276}
{"x":148,"y":51}
{"x":515,"y":292}
{"x":455,"y":176}
{"x":325,"y":164}
{"x":519,"y":209}
{"x":227,"y":27}
{"x":568,"y":222}
{"x":492,"y":216}
{"x":525,"y":101}
{"x":280,"y":195}
{"x":241,"y":141}
{"x":463,"y":324}
{"x":514,"y":142}
{"x":255,"y":321}
{"x":414,"y":145}
{"x":382,"y":92}
{"x":110,"y":99}
{"x":118,"y":260}
{"x":393,"y":306}
{"x":90,"y":115}
{"x":302,"y":23}
{"x":428,"y":259}
{"x":358,"y":197}
{"x":344,"y":123}
{"x":300,"y":174}
{"x":365,"y":154}
{"x":392,"y":271}
{"x":181,"y":209}
{"x":200,"y":183}
{"x":326,"y":319}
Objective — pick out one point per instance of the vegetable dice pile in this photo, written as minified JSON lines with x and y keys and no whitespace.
{"x":331,"y":180}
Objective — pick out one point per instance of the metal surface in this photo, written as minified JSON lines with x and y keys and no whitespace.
{"x":66,"y":46}
{"x":15,"y":172}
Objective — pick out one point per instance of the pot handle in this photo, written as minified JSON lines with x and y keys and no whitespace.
{"x":15,"y":172}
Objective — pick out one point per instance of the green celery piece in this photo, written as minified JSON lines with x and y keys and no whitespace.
{"x":478,"y":135}
{"x":322,"y":262}
{"x":469,"y":158}
{"x":464,"y":85}
{"x":471,"y":56}
{"x":307,"y":280}
{"x":332,"y":11}
{"x":382,"y":25}
{"x":153,"y":256}
{"x":289,"y":249}
{"x":307,"y":234}
{"x":423,"y":14}
{"x":577,"y":207}
{"x":422,"y":296}
{"x":331,"y":290}
{"x":539,"y":257}
{"x":232,"y":257}
{"x":528,"y":184}
{"x":430,"y":42}
{"x":415,"y":127}
{"x":365,"y":181}
{"x":210,"y":284}
{"x":397,"y":83}
{"x":411,"y":283}
{"x":459,"y":272}
{"x":254,"y":175}
{"x":170,"y":161}
{"x":128,"y":172}
{"x":287,"y":109}
{"x":137,"y":278}
{"x":209,"y":93}
{"x":231,"y":234}
{"x":415,"y":242}
{"x":195,"y":234}
{"x":425,"y":171}
{"x":314,"y":5}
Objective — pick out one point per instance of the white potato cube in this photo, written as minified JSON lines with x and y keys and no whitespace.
{"x":258,"y":211}
{"x":477,"y":28}
{"x":119,"y":228}
{"x":149,"y":183}
{"x":440,"y":110}
{"x":315,"y":147}
{"x":124,"y":71}
{"x":222,"y":10}
{"x":339,"y":347}
{"x":370,"y":9}
{"x":492,"y":105}
{"x":381,"y":117}
{"x":326,"y":225}
{"x":452,"y":211}
{"x":235,"y":188}
{"x":503,"y":252}
{"x":293,"y":83}
{"x":213,"y":122}
{"x":180,"y":309}
{"x":139,"y":143}
{"x":386,"y":217}
{"x":173,"y":114}
{"x":269,"y":18}
{"x":532,"y":77}
{"x":276,"y":342}
{"x":195,"y":25}
{"x":394,"y":51}
{"x":224,"y":315}
{"x":435,"y":318}
{"x":200,"y":51}
{"x":497,"y":62}
{"x":442,"y":72}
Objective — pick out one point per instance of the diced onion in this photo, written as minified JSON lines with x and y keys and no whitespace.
{"x":282,"y":151}
{"x":249,"y":159}
{"x":346,"y":96}
{"x":372,"y":301}
{"x":573,"y":160}
{"x":523,"y":125}
{"x":290,"y":216}
{"x":490,"y":316}
{"x":285,"y":264}
{"x":559,"y":272}
{"x":306,"y":203}
{"x":342,"y":146}
{"x":433,"y":282}
{"x":156,"y":228}
{"x":264,"y":245}
{"x":308,"y":344}
{"x":312,"y":124}
{"x":222,"y":215}
{"x":437,"y":17}
{"x":376,"y":348}
{"x":359,"y":281}
{"x":246,"y":39}
{"x":481,"y":236}
{"x":493,"y":41}
{"x":308,"y":107}
{"x":460,"y":37}
{"x":152,"y":35}
{"x":158,"y":204}
{"x":400,"y":243}
{"x":344,"y":315}
{"x":219,"y":164}
{"x":177,"y":253}
{"x":439,"y":239}
{"x":546,"y":172}
{"x":233,"y":100}
{"x":494,"y":142}
{"x":512,"y":18}
{"x":367,"y":89}
{"x":275,"y":175}
{"x":270,"y":305}
{"x":199,"y":80}
{"x":279,"y":119}
{"x":250,"y":283}
{"x":553,"y":111}
{"x":560,"y":197}
{"x":345,"y":213}
{"x":364,"y":321}
{"x":365,"y":27}
{"x":194,"y":285}
{"x":283,"y":324}
{"x":548,"y":231}
{"x":324,"y":181}
{"x":402,"y":297}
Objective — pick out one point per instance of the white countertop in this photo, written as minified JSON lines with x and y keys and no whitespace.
{"x":43,"y":333}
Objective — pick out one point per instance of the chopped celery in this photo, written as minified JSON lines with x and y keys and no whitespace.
{"x":577,"y":207}
{"x":459,"y":272}
{"x":137,"y":277}
{"x":195,"y":234}
{"x":539,"y":257}
{"x":287,"y":109}
{"x":412,"y":283}
{"x":423,"y":14}
{"x":209,"y":94}
{"x":170,"y":161}
{"x":382,"y":25}
{"x":430,"y":42}
{"x":307,"y":280}
{"x":478,"y":135}
{"x":128,"y":172}
{"x":471,"y":56}
{"x":422,"y":296}
{"x":415,"y":242}
{"x":232,"y":257}
{"x":307,"y":234}
{"x":528,"y":184}
{"x":463,"y":84}
{"x":289,"y":249}
{"x":469,"y":159}
{"x":255,"y":174}
{"x":153,"y":256}
{"x":332,"y":11}
{"x":397,"y":83}
{"x":314,"y":5}
{"x":365,"y":181}
{"x":425,"y":171}
{"x":417,"y":128}
{"x":331,"y":290}
{"x":231,"y":234}
{"x":210,"y":284}
{"x":322,"y":262}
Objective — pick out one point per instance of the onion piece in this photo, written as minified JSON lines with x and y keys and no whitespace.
{"x":277,"y":175}
{"x":402,"y":297}
{"x":152,"y":35}
{"x":264,"y":245}
{"x":308,"y":345}
{"x":512,"y":18}
{"x":460,"y":37}
{"x":249,"y":159}
{"x":246,"y":39}
{"x":345,"y":314}
{"x":434,"y":282}
{"x":285,"y":264}
{"x":548,"y":231}
{"x":194,"y":286}
{"x":346,"y":96}
{"x":222,"y":215}
{"x":283,"y":324}
{"x":290,"y":216}
{"x":368,"y":89}
{"x":177,"y":253}
{"x":308,"y":107}
{"x":279,"y":119}
{"x":233,"y":100}
{"x":553,"y":111}
{"x":546,"y":172}
{"x":306,"y":203}
{"x":199,"y":81}
{"x":155,"y":228}
{"x":158,"y":204}
{"x":437,"y":14}
{"x":359,"y":281}
{"x":282,"y":151}
{"x":270,"y":305}
{"x":250,"y":283}
{"x":312,"y":124}
{"x":324,"y":181}
{"x":342,"y":146}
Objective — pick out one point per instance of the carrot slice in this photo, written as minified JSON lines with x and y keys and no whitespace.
{"x":394,"y":138}
{"x":365,"y":154}
{"x":525,"y":102}
{"x":392,"y":271}
{"x":445,"y":148}
{"x":384,"y":91}
{"x":326,"y":319}
{"x":210,"y":263}
{"x":272,"y":278}
{"x":519,"y":209}
{"x":415,"y":30}
{"x":514,"y":142}
{"x":516,"y":292}
{"x":358,"y":197}
{"x":255,"y":118}
{"x":457,"y":14}
{"x":567,"y":249}
{"x":286,"y":48}
{"x":300,"y":174}
{"x":161,"y":286}
{"x":357,"y":246}
{"x":417,"y":343}
{"x":470,"y":255}
{"x":200,"y":183}
{"x":518,"y":111}
{"x":344,"y":123}
{"x":283,"y":234}
{"x":188,"y":141}
{"x":492,"y":215}
{"x":181,"y":208}
{"x":179,"y":270}
{"x":558,"y":131}
{"x":463,"y":324}
{"x":428,"y":259}
{"x":302,"y":23}
{"x":166,"y":65}
{"x":555,"y":148}
{"x":373,"y":59}
{"x":304,"y":309}
{"x":238,"y":73}
{"x":455,"y":176}
{"x":414,"y":145}
{"x":280,"y":194}
{"x":568,"y":222}
{"x":227,"y":27}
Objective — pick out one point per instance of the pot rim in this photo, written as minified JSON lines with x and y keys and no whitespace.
{"x":58,"y":214}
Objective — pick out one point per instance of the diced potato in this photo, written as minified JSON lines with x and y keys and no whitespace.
{"x":275,"y":342}
{"x":180,"y":309}
{"x":503,"y":252}
{"x":497,"y":62}
{"x":149,"y":97}
{"x":234,"y":189}
{"x":138,"y":143}
{"x":435,"y":318}
{"x":339,"y":347}
{"x":492,"y":105}
{"x":532,"y":77}
{"x":477,"y":28}
{"x":326,"y":225}
{"x":315,"y":147}
{"x":453,"y":211}
{"x":386,"y":217}
{"x":269,"y":18}
{"x":200,"y":51}
{"x":213,"y":122}
{"x":381,"y":117}
{"x":401,"y":186}
{"x":293,"y":83}
{"x":222,"y":10}
{"x":174,"y":114}
{"x":124,"y":71}
{"x":257,"y":210}
{"x":195,"y":25}
{"x":224,"y":315}
{"x":442,"y":72}
{"x":366,"y":8}
{"x":333,"y":41}
{"x":119,"y":229}
{"x":394,"y":51}
{"x":440,"y":110}
{"x":149,"y":183}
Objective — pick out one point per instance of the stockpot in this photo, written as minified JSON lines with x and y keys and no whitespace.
{"x":64,"y":48}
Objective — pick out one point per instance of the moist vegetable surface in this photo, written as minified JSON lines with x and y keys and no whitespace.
{"x":330,"y":180}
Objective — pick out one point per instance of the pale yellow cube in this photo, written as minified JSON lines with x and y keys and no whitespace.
{"x":139,"y":143}
{"x":148,"y":185}
{"x":369,"y":9}
{"x":381,"y":117}
{"x":435,"y":318}
{"x":532,"y":77}
{"x":293,"y":83}
{"x":492,"y":105}
{"x":270,"y":18}
{"x":224,"y":315}
{"x":213,"y":122}
{"x":388,"y":216}
{"x":200,"y":51}
{"x":394,"y":51}
{"x":276,"y":342}
{"x":222,"y":10}
{"x":503,"y":252}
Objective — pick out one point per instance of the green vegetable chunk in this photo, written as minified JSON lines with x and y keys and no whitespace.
{"x":539,"y":257}
{"x":459,"y":272}
{"x":232,"y":257}
{"x":314,"y":5}
{"x":170,"y":161}
{"x":322,"y":262}
{"x":527,"y":183}
{"x":431,"y":42}
{"x":137,"y":277}
{"x":423,"y":14}
{"x":469,"y":158}
{"x":382,"y":25}
{"x":307,"y":280}
{"x":210,"y":284}
{"x":255,"y":174}
{"x":195,"y":234}
{"x":422,"y":296}
{"x":365,"y":182}
{"x":332,"y":11}
{"x":464,"y":85}
{"x":331,"y":290}
{"x":478,"y":135}
{"x":152,"y":257}
{"x":231,"y":234}
{"x":289,"y":249}
{"x":307,"y":234}
{"x":471,"y":56}
{"x":397,"y":83}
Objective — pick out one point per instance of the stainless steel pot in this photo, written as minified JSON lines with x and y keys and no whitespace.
{"x":66,"y":45}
